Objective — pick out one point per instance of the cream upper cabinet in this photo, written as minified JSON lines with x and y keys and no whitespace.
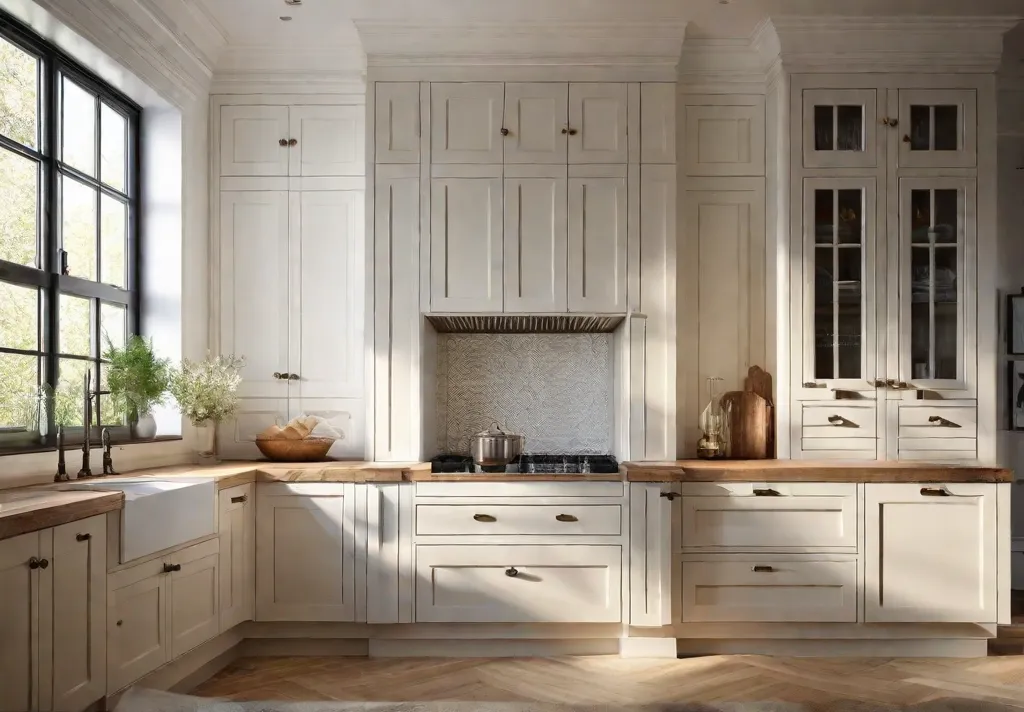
{"x":254,"y":141}
{"x":535,"y":239}
{"x":841,"y":128}
{"x":397,"y":122}
{"x":25,"y":622}
{"x":466,"y":242}
{"x":236,"y":522}
{"x":597,"y":244}
{"x":255,"y":298}
{"x":328,"y":140}
{"x":597,"y":123}
{"x":657,"y":122}
{"x":305,"y":552}
{"x":938,"y":128}
{"x":725,"y":136}
{"x":536,"y":123}
{"x":465,"y":120}
{"x":930,"y":553}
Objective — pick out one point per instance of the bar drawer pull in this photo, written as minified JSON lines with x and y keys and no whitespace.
{"x":837,"y":420}
{"x":934,"y":492}
{"x":484,"y":518}
{"x":171,"y":568}
{"x":766,"y":492}
{"x":762,"y":569}
{"x":83,"y":537}
{"x":670,"y":495}
{"x":240,"y":498}
{"x":567,"y":518}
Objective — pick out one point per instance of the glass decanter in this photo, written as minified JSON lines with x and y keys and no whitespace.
{"x":712,"y":423}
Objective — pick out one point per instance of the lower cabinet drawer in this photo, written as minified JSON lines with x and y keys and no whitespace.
{"x":518,"y":584}
{"x":770,"y":589}
{"x":518,"y":519}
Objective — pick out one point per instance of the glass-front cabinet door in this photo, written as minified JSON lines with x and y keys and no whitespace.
{"x":937,"y":286}
{"x":840,"y":128}
{"x":938,"y":128}
{"x":839,"y":300}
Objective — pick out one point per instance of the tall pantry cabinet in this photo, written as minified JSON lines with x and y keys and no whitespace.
{"x":885,"y":344}
{"x":289,"y":199}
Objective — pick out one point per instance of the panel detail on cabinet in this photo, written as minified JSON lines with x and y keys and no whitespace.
{"x":397,"y":122}
{"x":250,"y":141}
{"x":466,"y":244}
{"x":535,"y":239}
{"x":136,"y":624}
{"x":657,"y":122}
{"x":536,"y":116}
{"x":840,"y":128}
{"x":329,"y":141}
{"x":597,"y":244}
{"x":938,"y":128}
{"x":236,"y":523}
{"x":518,"y":584}
{"x":194,"y":600}
{"x":19,"y":623}
{"x":930,"y":553}
{"x":465,"y":121}
{"x":597,"y":115}
{"x":725,"y":139}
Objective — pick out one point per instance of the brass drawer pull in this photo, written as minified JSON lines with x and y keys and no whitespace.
{"x":762,"y":569}
{"x":171,"y":568}
{"x":511,"y":572}
{"x":942,"y":422}
{"x":934,"y":492}
{"x":670,"y":495}
{"x":566,"y":518}
{"x":765,"y":493}
{"x":484,"y":518}
{"x":837,"y":420}
{"x":83,"y":537}
{"x":239,"y":499}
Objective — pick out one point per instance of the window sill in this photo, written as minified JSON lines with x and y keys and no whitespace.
{"x":95,"y":445}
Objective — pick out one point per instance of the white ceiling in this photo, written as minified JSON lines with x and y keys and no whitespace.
{"x":328,"y":23}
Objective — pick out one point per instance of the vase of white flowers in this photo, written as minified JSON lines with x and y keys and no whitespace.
{"x":205,"y":392}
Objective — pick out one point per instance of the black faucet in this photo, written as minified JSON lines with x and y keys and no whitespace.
{"x":108,"y":462}
{"x":62,"y":470}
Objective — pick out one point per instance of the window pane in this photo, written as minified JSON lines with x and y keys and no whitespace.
{"x":946,"y":130}
{"x":75,"y":330}
{"x":68,"y":402}
{"x":108,"y":415}
{"x":19,"y":209}
{"x":78,"y":232}
{"x":824,"y":131}
{"x":946,"y":219}
{"x":112,"y":326}
{"x":113,"y":220}
{"x":920,"y":128}
{"x":850,"y":120}
{"x":19,"y":393}
{"x":78,"y":127}
{"x":113,"y":130}
{"x":851,"y":224}
{"x":19,"y":97}
{"x":19,"y":317}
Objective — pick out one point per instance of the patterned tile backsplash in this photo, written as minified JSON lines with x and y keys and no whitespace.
{"x":556,"y":389}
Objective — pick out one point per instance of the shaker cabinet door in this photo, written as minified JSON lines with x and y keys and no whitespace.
{"x":597,"y":245}
{"x":397,"y":122}
{"x":465,"y":121}
{"x":840,"y":128}
{"x":250,"y":141}
{"x":19,"y":624}
{"x":938,"y":128}
{"x":535,"y":241}
{"x":597,"y":123}
{"x":536,"y":118}
{"x":236,"y":522}
{"x":329,"y":141}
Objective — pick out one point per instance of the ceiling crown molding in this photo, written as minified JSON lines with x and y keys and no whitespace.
{"x":891,"y":44}
{"x":290,"y":70}
{"x":646,"y":44}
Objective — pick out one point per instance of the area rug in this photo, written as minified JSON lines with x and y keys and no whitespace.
{"x":138,"y":700}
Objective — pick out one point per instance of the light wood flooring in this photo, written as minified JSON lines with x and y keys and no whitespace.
{"x":613,"y":681}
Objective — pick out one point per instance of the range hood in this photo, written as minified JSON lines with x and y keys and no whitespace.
{"x":525,"y":323}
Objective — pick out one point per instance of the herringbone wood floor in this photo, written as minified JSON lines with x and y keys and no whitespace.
{"x":613,"y":681}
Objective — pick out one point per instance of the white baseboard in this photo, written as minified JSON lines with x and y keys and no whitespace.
{"x":932,"y":648}
{"x":299,"y":647}
{"x":490,"y":648}
{"x":647,"y":647}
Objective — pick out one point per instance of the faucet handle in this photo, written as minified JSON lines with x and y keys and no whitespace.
{"x":108,"y":461}
{"x":62,"y":470}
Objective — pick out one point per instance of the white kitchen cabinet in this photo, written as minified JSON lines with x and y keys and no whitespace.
{"x":535,"y":239}
{"x":305,"y":552}
{"x":841,"y":128}
{"x":466,"y":242}
{"x":236,"y":526}
{"x":329,"y":140}
{"x":345,"y":415}
{"x":465,"y":120}
{"x":938,"y":128}
{"x":254,"y":141}
{"x":518,"y":584}
{"x":657,"y":122}
{"x":597,"y":243}
{"x":236,"y":436}
{"x":725,"y":136}
{"x":160,"y":609}
{"x":597,"y":123}
{"x":930,"y":553}
{"x":536,"y":122}
{"x":52,"y":642}
{"x":397,"y":122}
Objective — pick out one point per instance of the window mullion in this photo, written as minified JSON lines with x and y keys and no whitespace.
{"x":51,"y":345}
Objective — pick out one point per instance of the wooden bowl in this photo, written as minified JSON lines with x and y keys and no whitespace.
{"x":306,"y":450}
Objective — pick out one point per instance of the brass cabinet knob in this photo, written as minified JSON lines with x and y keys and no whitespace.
{"x":33,"y":563}
{"x":484,"y":518}
{"x":572,"y":132}
{"x":83,"y":537}
{"x":906,"y":138}
{"x":278,"y":375}
{"x":504,"y":131}
{"x":292,"y":376}
{"x":566,"y":518}
{"x":293,"y":142}
{"x":511,"y":572}
{"x":43,"y":563}
{"x":565,"y":130}
{"x":119,"y":623}
{"x":283,"y":142}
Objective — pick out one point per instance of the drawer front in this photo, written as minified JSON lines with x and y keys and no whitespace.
{"x":938,"y":422}
{"x":766,"y":589}
{"x":779,"y":522}
{"x":518,"y":584}
{"x":484,"y":519}
{"x":833,"y":421}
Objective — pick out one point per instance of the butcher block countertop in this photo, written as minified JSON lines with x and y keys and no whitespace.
{"x":26,"y":509}
{"x":808,"y":471}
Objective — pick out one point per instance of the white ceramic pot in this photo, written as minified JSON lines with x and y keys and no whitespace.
{"x":145,"y":429}
{"x":206,"y":439}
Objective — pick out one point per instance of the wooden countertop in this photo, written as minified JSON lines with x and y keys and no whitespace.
{"x":808,"y":471}
{"x":26,"y":509}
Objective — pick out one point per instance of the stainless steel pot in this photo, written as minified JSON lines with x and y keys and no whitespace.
{"x":495,"y":448}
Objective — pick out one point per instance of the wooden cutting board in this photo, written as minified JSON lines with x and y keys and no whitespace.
{"x":760,"y":382}
{"x":748,"y":425}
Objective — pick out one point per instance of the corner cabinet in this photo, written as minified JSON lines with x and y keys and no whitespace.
{"x":885,"y":304}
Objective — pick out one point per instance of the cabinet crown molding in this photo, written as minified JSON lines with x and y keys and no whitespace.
{"x":645,"y":44}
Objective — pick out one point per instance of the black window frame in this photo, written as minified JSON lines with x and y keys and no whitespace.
{"x":53,"y":65}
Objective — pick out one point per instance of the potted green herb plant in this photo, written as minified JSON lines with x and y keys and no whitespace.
{"x":137,"y":381}
{"x":205,"y":392}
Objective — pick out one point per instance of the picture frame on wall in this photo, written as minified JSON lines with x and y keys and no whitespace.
{"x":1015,"y":324}
{"x":1015,"y":386}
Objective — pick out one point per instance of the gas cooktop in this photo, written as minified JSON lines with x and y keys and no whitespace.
{"x":530,"y":464}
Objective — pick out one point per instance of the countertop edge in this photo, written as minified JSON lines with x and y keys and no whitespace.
{"x":810,"y":471}
{"x":35,"y":519}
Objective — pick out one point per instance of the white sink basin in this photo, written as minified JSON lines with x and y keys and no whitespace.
{"x":160,"y":514}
